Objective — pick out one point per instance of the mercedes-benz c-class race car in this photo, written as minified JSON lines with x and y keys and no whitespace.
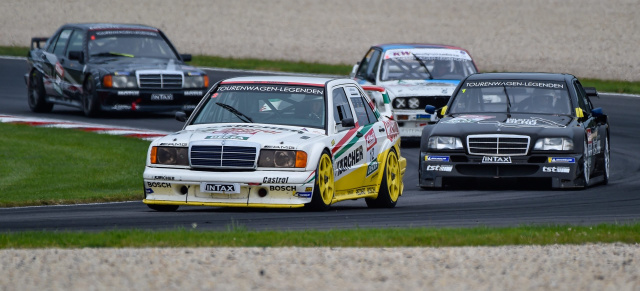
{"x":281,"y":142}
{"x":414,"y":75}
{"x":518,"y":125}
{"x":111,"y":67}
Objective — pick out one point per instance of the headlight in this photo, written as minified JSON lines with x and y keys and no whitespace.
{"x":554,"y":144}
{"x":282,"y":159}
{"x":414,"y":103}
{"x":177,"y":156}
{"x":119,"y":81}
{"x":445,"y":143}
{"x":399,"y":103}
{"x":196,"y":81}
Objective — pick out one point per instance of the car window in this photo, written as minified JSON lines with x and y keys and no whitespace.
{"x":422,"y":64}
{"x":51,"y":44}
{"x":61,"y":43}
{"x":341,"y":108}
{"x":361,"y":106}
{"x":129,"y":43}
{"x":75,"y":42}
{"x":583,"y":100}
{"x":369,"y":65}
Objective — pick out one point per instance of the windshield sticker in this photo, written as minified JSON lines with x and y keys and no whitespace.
{"x":125,"y":32}
{"x":521,"y":121}
{"x":271,"y":88}
{"x":427,"y":54}
{"x":551,"y":85}
{"x":468,"y":119}
{"x":531,"y":122}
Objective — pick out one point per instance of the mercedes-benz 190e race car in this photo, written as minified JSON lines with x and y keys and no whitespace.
{"x":414,"y":75}
{"x":518,"y":125}
{"x":111,"y":67}
{"x":278,"y":142}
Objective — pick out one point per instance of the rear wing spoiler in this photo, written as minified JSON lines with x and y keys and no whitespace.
{"x":36,"y":41}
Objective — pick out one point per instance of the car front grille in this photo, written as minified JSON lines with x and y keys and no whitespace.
{"x":408,"y":103}
{"x":223,"y":156}
{"x":498,"y":144}
{"x":160,"y":81}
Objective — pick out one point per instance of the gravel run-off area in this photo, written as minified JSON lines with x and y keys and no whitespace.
{"x":588,"y":38}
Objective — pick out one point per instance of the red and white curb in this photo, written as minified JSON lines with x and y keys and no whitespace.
{"x":91,"y":127}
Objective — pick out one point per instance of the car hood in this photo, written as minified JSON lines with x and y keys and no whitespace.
{"x":501,"y":123}
{"x":267,"y":135}
{"x":124,"y":64}
{"x":421,"y":87}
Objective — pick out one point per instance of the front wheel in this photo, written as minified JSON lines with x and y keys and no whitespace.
{"x":37,"y":94}
{"x":90,"y":104}
{"x":324,"y":189}
{"x":606,"y":161}
{"x":586,"y":166}
{"x":390,"y":186}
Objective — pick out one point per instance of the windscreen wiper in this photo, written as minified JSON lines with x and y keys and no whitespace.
{"x":237,"y":113}
{"x":109,"y":54}
{"x":423,"y":65}
{"x":508,"y":102}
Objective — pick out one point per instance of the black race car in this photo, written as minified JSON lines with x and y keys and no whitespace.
{"x":517,"y":125}
{"x":111,"y":67}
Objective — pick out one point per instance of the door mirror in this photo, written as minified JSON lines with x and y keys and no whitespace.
{"x":348,"y":122}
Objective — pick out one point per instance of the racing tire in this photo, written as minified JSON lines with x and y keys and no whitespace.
{"x":585,"y":166}
{"x":163,"y":208}
{"x":324,"y":188}
{"x":37,"y":94}
{"x":90,"y":104}
{"x":607,"y":153}
{"x":390,"y":186}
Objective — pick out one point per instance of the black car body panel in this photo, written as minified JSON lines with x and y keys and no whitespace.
{"x":508,"y":140}
{"x":126,"y":67}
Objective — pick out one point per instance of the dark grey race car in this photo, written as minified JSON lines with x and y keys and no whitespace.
{"x":517,"y":125}
{"x":111,"y":67}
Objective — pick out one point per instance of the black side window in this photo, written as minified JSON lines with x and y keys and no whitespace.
{"x":61,"y":44}
{"x":583,"y":101}
{"x":52,"y":43}
{"x":341,"y":106}
{"x":369,"y":65}
{"x":75,"y":43}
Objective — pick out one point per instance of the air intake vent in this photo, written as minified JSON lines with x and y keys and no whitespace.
{"x":230,"y":155}
{"x":160,"y":81}
{"x":498,"y":145}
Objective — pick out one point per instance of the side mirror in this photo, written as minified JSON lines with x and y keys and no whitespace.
{"x":430,"y":109}
{"x":186,"y":57}
{"x":348,"y":122}
{"x":354,"y":70}
{"x":591,"y":92}
{"x":597,"y":112}
{"x":76,"y":55}
{"x":181,"y":116}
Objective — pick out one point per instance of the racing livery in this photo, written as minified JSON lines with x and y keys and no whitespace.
{"x":414,"y":75}
{"x":517,"y":125}
{"x":111,"y":67}
{"x":279,"y":142}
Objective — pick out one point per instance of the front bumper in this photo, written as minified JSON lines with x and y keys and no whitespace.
{"x":146,"y":100}
{"x":279,"y":189}
{"x":563,"y":169}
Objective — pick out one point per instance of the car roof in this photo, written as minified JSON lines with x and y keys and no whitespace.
{"x":299,"y":80}
{"x":389,"y":46}
{"x":520,"y":76}
{"x":109,"y":26}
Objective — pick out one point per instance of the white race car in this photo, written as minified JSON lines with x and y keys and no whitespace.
{"x":280,"y":142}
{"x":415,"y":75}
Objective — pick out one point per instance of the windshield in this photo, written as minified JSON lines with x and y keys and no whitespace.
{"x":129,"y":43}
{"x":542,"y":97}
{"x":426,"y":64}
{"x":278,"y":104}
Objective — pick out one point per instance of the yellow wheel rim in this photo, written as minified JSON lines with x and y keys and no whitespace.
{"x":325,"y":179}
{"x":393,"y":176}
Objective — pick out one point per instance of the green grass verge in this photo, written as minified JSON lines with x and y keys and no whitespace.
{"x":42,"y":166}
{"x":392,"y":237}
{"x":317,"y":68}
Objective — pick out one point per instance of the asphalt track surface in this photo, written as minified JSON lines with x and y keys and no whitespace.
{"x":478,"y":203}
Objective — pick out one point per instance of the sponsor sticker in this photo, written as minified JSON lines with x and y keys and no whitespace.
{"x":304,"y":194}
{"x":158,"y":184}
{"x":282,"y":188}
{"x":496,"y":160}
{"x":423,"y":117}
{"x":439,"y":168}
{"x":561,"y":160}
{"x":372,"y":168}
{"x":161,"y":97}
{"x":128,"y":93}
{"x":275,"y":180}
{"x":219,"y":187}
{"x":436,"y":158}
{"x":556,"y":169}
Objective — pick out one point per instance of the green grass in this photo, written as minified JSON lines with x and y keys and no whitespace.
{"x":43,"y":166}
{"x":391,"y":237}
{"x":317,"y":68}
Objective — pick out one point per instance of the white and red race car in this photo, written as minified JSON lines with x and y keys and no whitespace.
{"x":279,"y":142}
{"x":415,"y":75}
